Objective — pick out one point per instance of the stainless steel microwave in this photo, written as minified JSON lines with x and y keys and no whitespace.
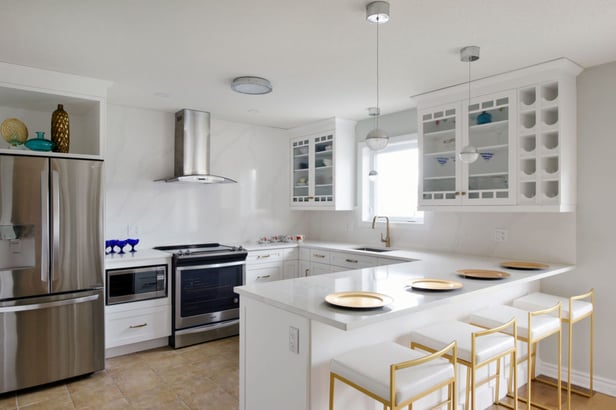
{"x":134,"y":284}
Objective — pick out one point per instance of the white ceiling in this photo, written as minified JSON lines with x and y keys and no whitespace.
{"x":319,"y":54}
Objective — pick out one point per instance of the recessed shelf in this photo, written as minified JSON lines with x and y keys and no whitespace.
{"x":549,"y":92}
{"x":549,"y":165}
{"x":440,"y":133}
{"x":528,"y":143}
{"x":440,"y":153}
{"x":549,"y":140}
{"x":550,"y":189}
{"x":528,"y":167}
{"x":549,"y":116}
{"x":528,"y":120}
{"x":439,"y":178}
{"x":528,"y":96}
{"x":528,"y":190}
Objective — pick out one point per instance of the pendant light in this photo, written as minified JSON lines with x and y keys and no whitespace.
{"x":377,"y":12}
{"x":469,"y":154}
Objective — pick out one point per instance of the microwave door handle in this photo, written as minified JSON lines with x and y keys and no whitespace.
{"x":44,"y":226}
{"x":55,"y":223}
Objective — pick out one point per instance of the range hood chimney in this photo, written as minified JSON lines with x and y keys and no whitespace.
{"x":192,"y":149}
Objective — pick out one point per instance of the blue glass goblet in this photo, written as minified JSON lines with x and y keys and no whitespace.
{"x":132,"y":242}
{"x":121,"y":244}
{"x":110,"y":244}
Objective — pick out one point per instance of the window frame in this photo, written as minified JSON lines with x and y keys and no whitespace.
{"x":366,"y":160}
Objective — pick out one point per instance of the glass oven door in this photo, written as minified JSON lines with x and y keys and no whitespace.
{"x":204,"y":293}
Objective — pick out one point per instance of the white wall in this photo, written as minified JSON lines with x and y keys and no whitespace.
{"x":596,"y":218}
{"x":139,"y":149}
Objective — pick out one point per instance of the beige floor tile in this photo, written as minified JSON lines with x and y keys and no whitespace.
{"x":52,"y":404}
{"x":95,"y":381}
{"x":119,"y":404}
{"x":8,"y":401}
{"x":97,"y":396}
{"x":216,"y":399}
{"x":40,"y":394}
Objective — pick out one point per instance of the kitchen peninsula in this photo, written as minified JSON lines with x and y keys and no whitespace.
{"x":288,"y":333}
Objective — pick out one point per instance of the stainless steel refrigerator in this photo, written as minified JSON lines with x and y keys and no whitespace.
{"x":51,"y":270}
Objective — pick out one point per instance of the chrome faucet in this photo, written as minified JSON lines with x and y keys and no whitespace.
{"x":387,"y":238}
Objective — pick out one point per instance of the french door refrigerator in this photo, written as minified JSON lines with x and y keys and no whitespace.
{"x":51,"y":270}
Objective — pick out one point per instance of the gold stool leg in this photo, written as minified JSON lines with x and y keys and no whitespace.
{"x":331,"y":391}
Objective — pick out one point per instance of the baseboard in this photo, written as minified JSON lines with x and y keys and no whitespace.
{"x":136,"y":347}
{"x":582,"y":379}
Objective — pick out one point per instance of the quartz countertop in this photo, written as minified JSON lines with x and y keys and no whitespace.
{"x":305,"y":296}
{"x":141,"y":257}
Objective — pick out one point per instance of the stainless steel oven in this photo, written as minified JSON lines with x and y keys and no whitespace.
{"x":133,"y":284}
{"x":205,"y":307}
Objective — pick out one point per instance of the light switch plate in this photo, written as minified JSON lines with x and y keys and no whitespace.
{"x":293,"y":340}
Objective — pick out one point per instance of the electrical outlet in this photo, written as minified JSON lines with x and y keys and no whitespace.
{"x":500,"y":235}
{"x":293,"y":340}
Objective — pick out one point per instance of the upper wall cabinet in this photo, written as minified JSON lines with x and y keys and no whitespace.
{"x":522,"y":123}
{"x":32,"y":95}
{"x":322,"y":165}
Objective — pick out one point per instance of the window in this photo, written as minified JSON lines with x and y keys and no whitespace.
{"x":394,"y":191}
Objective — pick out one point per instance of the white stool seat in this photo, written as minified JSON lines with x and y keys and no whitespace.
{"x":497,"y":315}
{"x":539,"y":301}
{"x":439,"y":335}
{"x":369,"y":367}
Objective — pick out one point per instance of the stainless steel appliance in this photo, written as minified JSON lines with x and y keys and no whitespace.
{"x":51,"y":270}
{"x":205,"y":307}
{"x":133,"y":284}
{"x":192,"y":149}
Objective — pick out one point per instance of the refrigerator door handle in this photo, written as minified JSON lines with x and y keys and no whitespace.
{"x":47,"y":305}
{"x":44,"y":226}
{"x":55,"y":222}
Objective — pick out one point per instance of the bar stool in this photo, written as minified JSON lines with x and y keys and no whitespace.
{"x":532,"y":328}
{"x":395,"y":375}
{"x":477,"y":348}
{"x":574,"y":309}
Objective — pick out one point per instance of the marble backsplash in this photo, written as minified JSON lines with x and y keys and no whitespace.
{"x":139,"y":150}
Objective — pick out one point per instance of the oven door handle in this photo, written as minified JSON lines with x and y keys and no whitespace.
{"x":209,"y":266}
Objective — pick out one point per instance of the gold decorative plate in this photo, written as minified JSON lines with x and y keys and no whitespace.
{"x":14,"y":131}
{"x":482,"y":274}
{"x":524,"y":265}
{"x":358,"y":299}
{"x":435,"y":284}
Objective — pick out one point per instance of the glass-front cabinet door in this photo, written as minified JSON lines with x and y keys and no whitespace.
{"x":489,"y":128}
{"x":439,"y":130}
{"x":313,"y":171}
{"x":484,"y":124}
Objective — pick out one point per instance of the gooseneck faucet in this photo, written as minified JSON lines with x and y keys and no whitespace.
{"x":387,"y":238}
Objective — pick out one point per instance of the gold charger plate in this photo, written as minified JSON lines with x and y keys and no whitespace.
{"x":482,"y":274}
{"x":358,"y":299}
{"x":524,"y":265}
{"x":435,"y":284}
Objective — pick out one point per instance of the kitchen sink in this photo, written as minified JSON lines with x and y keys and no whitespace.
{"x":369,"y":249}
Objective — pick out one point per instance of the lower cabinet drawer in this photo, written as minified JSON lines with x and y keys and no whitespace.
{"x":137,"y":325}
{"x":263,"y":273}
{"x":352,"y":260}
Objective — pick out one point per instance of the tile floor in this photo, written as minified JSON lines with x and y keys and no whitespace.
{"x":204,"y":376}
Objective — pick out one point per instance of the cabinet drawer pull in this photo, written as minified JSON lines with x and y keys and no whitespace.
{"x":309,"y":197}
{"x":137,"y":326}
{"x":263,"y":256}
{"x":351,"y":260}
{"x":264,"y":276}
{"x":317,"y":255}
{"x":462,"y":193}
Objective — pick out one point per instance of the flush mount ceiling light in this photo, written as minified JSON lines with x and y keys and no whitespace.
{"x":469,"y":154}
{"x":251,"y":85}
{"x":377,"y":12}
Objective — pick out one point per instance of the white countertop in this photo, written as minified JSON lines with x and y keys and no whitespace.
{"x":305,"y":296}
{"x":141,"y":257}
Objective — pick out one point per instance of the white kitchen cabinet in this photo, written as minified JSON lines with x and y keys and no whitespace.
{"x":263,"y":272}
{"x":445,"y":130}
{"x":317,"y":268}
{"x":349,"y":261}
{"x":526,"y":143}
{"x":31,"y":95}
{"x":304,"y":268}
{"x":136,"y":322}
{"x":271,"y":264}
{"x":322,"y":165}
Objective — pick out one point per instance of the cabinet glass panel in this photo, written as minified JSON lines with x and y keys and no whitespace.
{"x":439,"y":148}
{"x":300,"y":168}
{"x":488,"y":177}
{"x":323,"y":167}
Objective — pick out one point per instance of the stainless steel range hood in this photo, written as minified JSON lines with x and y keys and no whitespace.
{"x":192,"y":149}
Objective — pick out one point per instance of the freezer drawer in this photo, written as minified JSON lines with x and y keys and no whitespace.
{"x":51,"y":338}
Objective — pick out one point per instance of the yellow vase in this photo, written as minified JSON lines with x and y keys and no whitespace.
{"x":60,"y":134}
